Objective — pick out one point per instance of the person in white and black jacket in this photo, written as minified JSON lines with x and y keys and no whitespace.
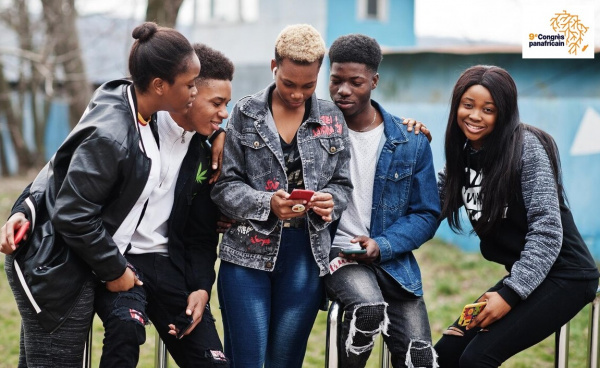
{"x":88,"y":199}
{"x":507,"y":176}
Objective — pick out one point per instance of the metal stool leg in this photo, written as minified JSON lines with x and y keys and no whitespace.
{"x":385,"y":356}
{"x":592,"y":360}
{"x":334,"y":325}
{"x":561,"y":352}
{"x":87,"y":353}
{"x":162,"y":358}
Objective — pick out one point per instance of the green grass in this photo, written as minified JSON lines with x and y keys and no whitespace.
{"x":451,"y":279}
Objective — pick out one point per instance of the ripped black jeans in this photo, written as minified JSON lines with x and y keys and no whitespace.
{"x":552,"y":304}
{"x":375,"y":303}
{"x":162,"y":297}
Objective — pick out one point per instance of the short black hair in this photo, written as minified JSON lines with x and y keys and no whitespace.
{"x":213,"y":64}
{"x":356,"y":48}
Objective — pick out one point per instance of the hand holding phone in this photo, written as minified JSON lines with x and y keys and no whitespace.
{"x":469,"y":312}
{"x":183,"y":323}
{"x":21,"y":233}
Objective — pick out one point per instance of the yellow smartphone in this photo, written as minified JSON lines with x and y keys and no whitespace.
{"x":469,"y":312}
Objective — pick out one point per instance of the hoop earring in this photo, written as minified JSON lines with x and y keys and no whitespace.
{"x":274,"y":69}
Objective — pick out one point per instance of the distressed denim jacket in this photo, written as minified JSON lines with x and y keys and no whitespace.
{"x":253,"y":169}
{"x":406,"y":203}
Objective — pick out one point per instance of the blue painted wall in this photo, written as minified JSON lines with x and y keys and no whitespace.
{"x":396,"y":30}
{"x":553,"y":95}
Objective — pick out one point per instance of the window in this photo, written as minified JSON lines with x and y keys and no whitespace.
{"x":225,"y":11}
{"x":372,"y":9}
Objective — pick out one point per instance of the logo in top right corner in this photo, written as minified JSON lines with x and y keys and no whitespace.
{"x":561,"y":35}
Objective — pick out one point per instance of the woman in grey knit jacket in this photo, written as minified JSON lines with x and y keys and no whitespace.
{"x":507,"y":176}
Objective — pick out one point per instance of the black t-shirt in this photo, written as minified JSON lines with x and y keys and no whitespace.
{"x":291,"y":154}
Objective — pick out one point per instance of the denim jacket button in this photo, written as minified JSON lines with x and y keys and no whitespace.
{"x":332,"y":149}
{"x":256,"y":144}
{"x":269,"y":264}
{"x":396,"y":176}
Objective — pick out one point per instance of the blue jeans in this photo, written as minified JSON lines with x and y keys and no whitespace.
{"x":268,"y":316}
{"x":375,"y":303}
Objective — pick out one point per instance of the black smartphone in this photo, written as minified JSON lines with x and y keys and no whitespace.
{"x":183,"y":323}
{"x":353,"y":250}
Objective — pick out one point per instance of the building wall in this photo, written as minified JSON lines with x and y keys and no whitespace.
{"x":560,"y":96}
{"x":395,"y":29}
{"x":251,"y":45}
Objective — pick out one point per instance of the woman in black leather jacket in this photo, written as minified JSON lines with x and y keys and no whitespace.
{"x":95,"y":182}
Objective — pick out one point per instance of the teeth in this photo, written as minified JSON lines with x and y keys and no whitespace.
{"x":473,"y":126}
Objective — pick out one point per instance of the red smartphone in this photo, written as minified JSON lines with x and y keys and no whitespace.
{"x":301,"y":194}
{"x":21,"y":233}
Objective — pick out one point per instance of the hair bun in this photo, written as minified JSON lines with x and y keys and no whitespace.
{"x":144,"y":31}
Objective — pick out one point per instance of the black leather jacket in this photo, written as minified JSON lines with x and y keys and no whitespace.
{"x":86,"y":191}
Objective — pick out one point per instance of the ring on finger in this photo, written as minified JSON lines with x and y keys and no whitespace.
{"x":298,"y":208}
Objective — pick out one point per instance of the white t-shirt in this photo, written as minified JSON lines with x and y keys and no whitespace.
{"x":151,"y":236}
{"x":356,"y":219}
{"x":122,"y":236}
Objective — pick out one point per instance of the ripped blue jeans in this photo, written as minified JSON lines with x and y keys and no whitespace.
{"x":375,"y":303}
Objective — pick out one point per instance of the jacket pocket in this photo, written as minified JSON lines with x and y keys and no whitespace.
{"x":259,"y":158}
{"x":397,"y":185}
{"x":330,"y":150}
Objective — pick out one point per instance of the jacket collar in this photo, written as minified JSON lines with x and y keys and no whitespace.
{"x":257,"y":106}
{"x":394,"y":131}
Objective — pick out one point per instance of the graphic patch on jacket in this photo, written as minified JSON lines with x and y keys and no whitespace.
{"x":201,"y":174}
{"x":329,"y":128}
{"x":254,"y":241}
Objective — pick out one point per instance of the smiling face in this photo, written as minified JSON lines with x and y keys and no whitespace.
{"x":178,"y":97}
{"x":476,"y":114}
{"x":294,"y":83}
{"x":350,"y":86}
{"x":209,"y":109}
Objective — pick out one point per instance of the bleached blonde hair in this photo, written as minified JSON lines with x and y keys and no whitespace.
{"x":300,"y":43}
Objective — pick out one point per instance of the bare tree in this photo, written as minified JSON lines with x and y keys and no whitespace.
{"x":163,"y":12}
{"x":39,"y":64}
{"x":60,"y":18}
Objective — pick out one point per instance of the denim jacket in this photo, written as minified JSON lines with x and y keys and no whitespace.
{"x":253,"y":169}
{"x":406,"y":203}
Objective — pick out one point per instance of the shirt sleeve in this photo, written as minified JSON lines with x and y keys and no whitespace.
{"x":543,"y":240}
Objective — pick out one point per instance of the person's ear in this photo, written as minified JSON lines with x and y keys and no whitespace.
{"x":273,"y":67}
{"x":375,"y":81}
{"x":158,"y":86}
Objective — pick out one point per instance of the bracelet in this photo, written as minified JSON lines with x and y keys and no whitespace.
{"x":215,"y":134}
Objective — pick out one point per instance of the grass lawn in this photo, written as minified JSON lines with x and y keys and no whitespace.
{"x":452,"y":278}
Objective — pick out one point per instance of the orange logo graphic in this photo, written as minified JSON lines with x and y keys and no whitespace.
{"x":573,"y":30}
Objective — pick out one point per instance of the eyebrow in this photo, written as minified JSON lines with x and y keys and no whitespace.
{"x":472,"y":99}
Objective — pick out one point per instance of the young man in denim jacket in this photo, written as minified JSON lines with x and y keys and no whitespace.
{"x":393,"y":210}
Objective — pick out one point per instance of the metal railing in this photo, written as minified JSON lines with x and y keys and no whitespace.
{"x":561,"y":354}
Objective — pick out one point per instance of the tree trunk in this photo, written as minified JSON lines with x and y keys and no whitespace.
{"x":14,"y":126}
{"x":163,"y":12}
{"x":61,"y":17}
